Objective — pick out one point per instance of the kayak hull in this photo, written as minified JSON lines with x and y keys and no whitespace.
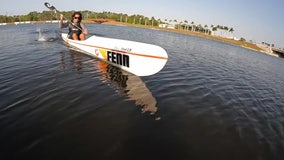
{"x":138,"y":58}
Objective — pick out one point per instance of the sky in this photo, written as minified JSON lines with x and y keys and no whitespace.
{"x":256,"y":20}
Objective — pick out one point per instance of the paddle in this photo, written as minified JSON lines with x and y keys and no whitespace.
{"x":53,"y":9}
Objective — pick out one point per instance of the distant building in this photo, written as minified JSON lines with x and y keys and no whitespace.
{"x":53,"y":21}
{"x":234,"y":38}
{"x":24,"y":22}
{"x":171,"y":26}
{"x":163,"y":25}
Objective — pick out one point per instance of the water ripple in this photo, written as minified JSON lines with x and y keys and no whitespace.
{"x":211,"y":94}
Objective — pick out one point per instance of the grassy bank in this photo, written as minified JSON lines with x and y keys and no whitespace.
{"x":216,"y":38}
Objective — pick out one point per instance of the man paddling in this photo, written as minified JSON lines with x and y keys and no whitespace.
{"x":77,"y":29}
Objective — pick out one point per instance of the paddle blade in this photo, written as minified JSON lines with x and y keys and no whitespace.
{"x":52,"y":8}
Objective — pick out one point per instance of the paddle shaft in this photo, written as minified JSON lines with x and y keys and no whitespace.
{"x":52,"y":8}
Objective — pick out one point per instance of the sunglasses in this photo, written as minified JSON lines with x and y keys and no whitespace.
{"x":76,"y":17}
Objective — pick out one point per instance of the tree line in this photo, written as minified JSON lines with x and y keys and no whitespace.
{"x":48,"y":15}
{"x":224,"y":31}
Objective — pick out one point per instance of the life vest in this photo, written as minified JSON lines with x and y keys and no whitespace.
{"x":74,"y":29}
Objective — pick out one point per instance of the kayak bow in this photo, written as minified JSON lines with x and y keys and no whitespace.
{"x":138,"y":58}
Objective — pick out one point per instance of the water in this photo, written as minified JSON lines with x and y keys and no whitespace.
{"x":211,"y":101}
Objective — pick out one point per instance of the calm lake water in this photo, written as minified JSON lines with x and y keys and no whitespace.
{"x":211,"y":101}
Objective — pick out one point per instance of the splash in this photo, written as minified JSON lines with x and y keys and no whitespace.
{"x":43,"y":38}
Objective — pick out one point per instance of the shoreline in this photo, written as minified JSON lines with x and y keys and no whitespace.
{"x":247,"y":45}
{"x":242,"y":44}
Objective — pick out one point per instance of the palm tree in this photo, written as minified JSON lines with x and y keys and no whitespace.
{"x":219,"y":27}
{"x":134,"y":19}
{"x":226,"y":29}
{"x":192,"y":26}
{"x":152,"y":19}
{"x":146,"y":21}
{"x":199,"y":28}
{"x":186,"y":23}
{"x":231,"y":31}
{"x":175,"y":21}
{"x":206,"y":28}
{"x":214,"y":28}
{"x":180,"y":25}
{"x":159,"y":22}
{"x":120,"y":18}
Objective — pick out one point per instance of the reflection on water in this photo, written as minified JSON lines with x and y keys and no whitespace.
{"x":123,"y":82}
{"x":131,"y":85}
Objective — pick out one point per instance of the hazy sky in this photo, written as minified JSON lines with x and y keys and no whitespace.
{"x":257,"y":20}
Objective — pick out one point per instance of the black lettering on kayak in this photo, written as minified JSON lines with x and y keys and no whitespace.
{"x":118,"y":58}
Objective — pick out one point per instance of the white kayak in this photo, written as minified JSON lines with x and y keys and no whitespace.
{"x":138,"y":58}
